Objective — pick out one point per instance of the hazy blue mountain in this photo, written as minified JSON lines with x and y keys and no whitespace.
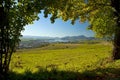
{"x":57,"y":39}
{"x":77,"y":38}
{"x":37,"y":41}
{"x":37,"y":37}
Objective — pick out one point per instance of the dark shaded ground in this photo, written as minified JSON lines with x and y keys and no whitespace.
{"x":54,"y":74}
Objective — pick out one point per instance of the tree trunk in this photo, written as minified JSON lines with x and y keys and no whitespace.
{"x":4,"y":40}
{"x":1,"y":39}
{"x":116,"y":43}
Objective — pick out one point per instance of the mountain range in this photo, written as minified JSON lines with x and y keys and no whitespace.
{"x":81,"y":37}
{"x":67,"y":38}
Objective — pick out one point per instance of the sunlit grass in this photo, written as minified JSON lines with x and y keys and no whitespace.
{"x":72,"y":57}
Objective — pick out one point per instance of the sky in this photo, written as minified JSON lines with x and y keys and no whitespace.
{"x":44,"y":27}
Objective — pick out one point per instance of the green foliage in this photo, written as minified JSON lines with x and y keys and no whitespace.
{"x":103,"y":16}
{"x":99,"y":14}
{"x":14,"y":15}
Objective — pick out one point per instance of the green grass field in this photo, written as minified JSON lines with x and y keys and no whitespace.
{"x":85,"y":59}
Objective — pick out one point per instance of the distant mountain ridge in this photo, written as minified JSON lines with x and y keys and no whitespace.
{"x":76,"y":38}
{"x":68,"y":38}
{"x":37,"y":41}
{"x":37,"y":37}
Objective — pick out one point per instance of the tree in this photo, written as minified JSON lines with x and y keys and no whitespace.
{"x":103,"y":16}
{"x":14,"y":15}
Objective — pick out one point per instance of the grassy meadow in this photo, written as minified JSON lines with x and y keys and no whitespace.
{"x":65,"y":61}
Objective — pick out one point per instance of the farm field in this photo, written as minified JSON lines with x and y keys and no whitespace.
{"x":65,"y":62}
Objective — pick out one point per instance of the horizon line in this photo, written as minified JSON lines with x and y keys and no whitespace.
{"x":56,"y":36}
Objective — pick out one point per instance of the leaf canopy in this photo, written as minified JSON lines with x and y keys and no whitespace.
{"x":99,"y":14}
